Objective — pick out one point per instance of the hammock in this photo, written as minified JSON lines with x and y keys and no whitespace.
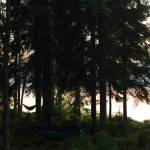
{"x":29,"y":107}
{"x":56,"y":134}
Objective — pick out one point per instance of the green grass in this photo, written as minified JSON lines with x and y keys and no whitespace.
{"x":118,"y":135}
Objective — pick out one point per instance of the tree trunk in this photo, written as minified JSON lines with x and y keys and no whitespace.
{"x":6,"y":101}
{"x":17,"y":49}
{"x":42,"y":39}
{"x":38,"y":98}
{"x":47,"y":87}
{"x":19,"y":83}
{"x":125,"y":105}
{"x":16,"y":84}
{"x":23,"y":89}
{"x":37,"y":83}
{"x":6,"y":104}
{"x":110,"y":101}
{"x":5,"y":85}
{"x":102,"y":104}
{"x":93,"y":102}
{"x":46,"y":91}
{"x":125,"y":86}
{"x":93,"y":84}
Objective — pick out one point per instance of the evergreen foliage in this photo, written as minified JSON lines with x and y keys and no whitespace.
{"x":82,"y":48}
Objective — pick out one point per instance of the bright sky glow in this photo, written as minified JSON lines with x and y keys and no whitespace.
{"x":138,"y":112}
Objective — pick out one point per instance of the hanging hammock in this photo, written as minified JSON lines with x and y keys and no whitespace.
{"x":56,"y":134}
{"x":29,"y":107}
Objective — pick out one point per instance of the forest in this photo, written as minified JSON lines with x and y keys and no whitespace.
{"x":66,"y":53}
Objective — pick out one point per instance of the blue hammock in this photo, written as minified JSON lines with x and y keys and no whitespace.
{"x":56,"y":133}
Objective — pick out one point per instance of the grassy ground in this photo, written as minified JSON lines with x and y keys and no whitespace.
{"x":118,"y":136}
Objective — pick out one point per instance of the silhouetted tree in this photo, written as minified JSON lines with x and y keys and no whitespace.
{"x":5,"y":83}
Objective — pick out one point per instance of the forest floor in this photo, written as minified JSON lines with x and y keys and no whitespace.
{"x":117,"y":136}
